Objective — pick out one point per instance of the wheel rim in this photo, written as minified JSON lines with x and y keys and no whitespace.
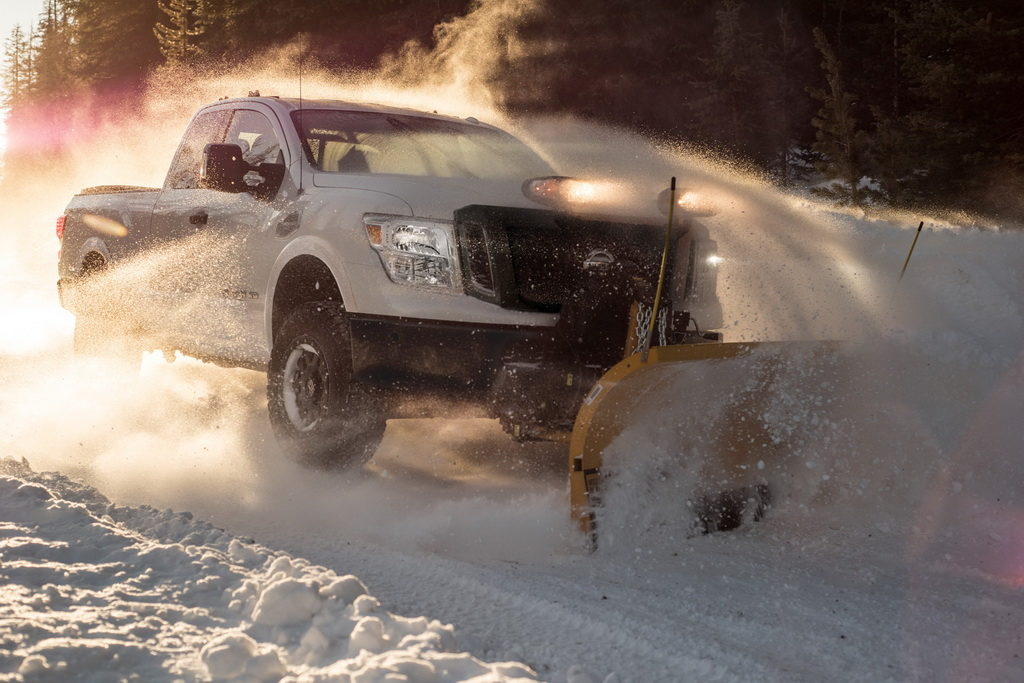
{"x":305,"y":387}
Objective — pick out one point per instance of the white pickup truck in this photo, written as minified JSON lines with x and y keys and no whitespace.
{"x":375,"y":262}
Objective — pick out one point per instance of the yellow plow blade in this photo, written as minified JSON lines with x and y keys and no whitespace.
{"x":709,"y":399}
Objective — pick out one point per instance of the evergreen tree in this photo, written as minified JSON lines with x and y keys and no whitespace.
{"x":182,"y":39}
{"x":935,"y":119}
{"x":244,"y":27}
{"x":787,"y":105}
{"x":17,"y":68}
{"x":962,"y":66}
{"x":890,"y":145}
{"x":53,"y":68}
{"x":837,"y":139}
{"x":114,"y":43}
{"x":18,"y":83}
{"x":727,"y":110}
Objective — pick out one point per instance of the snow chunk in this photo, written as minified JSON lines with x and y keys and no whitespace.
{"x":344,"y":588}
{"x":367,"y":635}
{"x":366,"y":604}
{"x":33,"y":664}
{"x":242,"y":553}
{"x":226,"y":655}
{"x":287,"y":601}
{"x":236,"y":655}
{"x":313,"y":646}
{"x":33,"y":492}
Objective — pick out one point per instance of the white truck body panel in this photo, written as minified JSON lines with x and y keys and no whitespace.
{"x":236,"y":318}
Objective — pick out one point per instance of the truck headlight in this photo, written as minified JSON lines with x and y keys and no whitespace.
{"x":414,"y":251}
{"x":688,"y":202}
{"x":562,"y":192}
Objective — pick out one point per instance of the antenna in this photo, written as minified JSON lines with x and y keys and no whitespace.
{"x":302,"y":128}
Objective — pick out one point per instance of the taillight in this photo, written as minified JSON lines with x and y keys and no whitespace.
{"x":60,"y":226}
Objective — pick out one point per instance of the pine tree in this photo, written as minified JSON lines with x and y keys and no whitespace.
{"x":53,"y":68}
{"x":17,"y":68}
{"x":244,"y":27}
{"x":787,"y":106}
{"x":183,"y":38}
{"x":838,"y":139}
{"x":113,"y":42}
{"x":894,"y":160}
{"x":728,"y":110}
{"x":18,"y":82}
{"x":962,"y":67}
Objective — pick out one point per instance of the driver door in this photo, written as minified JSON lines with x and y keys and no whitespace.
{"x":219,"y":298}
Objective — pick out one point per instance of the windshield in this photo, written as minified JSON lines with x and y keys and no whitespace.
{"x":368,"y":142}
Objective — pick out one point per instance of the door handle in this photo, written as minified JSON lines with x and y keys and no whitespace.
{"x":199,"y":218}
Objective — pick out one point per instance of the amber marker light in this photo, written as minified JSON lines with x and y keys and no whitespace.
{"x":373,"y":232}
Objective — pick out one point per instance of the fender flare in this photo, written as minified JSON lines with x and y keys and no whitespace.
{"x":307,"y":245}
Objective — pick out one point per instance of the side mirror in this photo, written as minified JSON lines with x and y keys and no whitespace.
{"x":223,"y":168}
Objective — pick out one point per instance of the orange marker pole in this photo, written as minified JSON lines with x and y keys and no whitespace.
{"x":661,"y":273}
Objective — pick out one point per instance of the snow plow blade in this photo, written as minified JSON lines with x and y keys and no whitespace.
{"x":710,"y":402}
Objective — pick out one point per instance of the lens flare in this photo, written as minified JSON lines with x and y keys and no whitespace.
{"x":104,"y":225}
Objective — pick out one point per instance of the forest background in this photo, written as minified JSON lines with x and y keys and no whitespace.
{"x":906,"y":103}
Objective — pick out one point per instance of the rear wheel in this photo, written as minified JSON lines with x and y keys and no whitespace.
{"x":318,"y":413}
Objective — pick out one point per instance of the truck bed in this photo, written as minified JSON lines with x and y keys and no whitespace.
{"x":115,"y":189}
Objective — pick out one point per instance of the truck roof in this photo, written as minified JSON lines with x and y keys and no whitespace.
{"x":289,"y":104}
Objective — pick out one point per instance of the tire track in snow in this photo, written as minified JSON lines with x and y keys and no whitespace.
{"x":549,"y":621}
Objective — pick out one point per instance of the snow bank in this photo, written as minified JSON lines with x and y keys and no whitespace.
{"x":90,"y":587}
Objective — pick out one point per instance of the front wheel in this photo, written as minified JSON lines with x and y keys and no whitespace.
{"x":317,"y":411}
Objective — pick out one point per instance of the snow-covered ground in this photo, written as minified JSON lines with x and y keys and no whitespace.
{"x":894,"y":550}
{"x":94,"y":590}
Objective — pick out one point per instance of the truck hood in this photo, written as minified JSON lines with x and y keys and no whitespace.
{"x":432,"y":197}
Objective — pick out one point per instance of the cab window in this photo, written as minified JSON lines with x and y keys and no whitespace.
{"x":253,"y":132}
{"x":339,"y":141}
{"x":205,"y":128}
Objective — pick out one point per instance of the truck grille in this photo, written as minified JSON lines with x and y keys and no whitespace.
{"x":477,"y":265}
{"x":531,"y":259}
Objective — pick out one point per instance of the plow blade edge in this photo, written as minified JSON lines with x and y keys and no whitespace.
{"x":720,"y":406}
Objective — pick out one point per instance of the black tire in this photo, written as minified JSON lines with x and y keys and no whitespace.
{"x":318,"y":413}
